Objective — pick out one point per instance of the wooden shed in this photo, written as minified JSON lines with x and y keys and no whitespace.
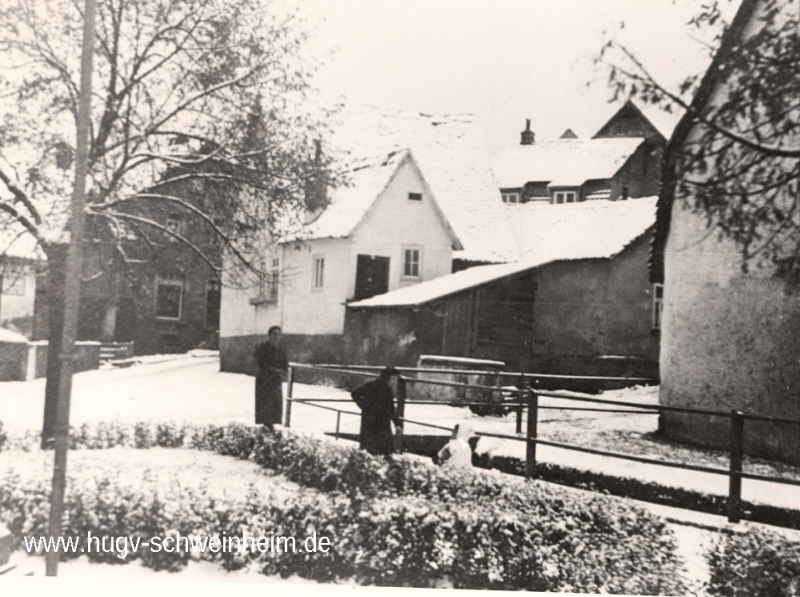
{"x":484,"y":312}
{"x":580,"y":297}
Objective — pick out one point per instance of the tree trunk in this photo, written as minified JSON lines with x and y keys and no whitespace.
{"x":56,"y":282}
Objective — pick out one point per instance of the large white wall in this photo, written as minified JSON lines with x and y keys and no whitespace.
{"x":730,"y":340}
{"x":309,"y":310}
{"x":395,"y":222}
{"x":300,"y":309}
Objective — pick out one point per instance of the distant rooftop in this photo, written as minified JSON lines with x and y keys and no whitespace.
{"x":569,"y":162}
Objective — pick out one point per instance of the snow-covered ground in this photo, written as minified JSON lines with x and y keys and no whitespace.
{"x":193,"y":389}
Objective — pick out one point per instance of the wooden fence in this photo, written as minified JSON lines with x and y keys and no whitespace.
{"x":526,"y":401}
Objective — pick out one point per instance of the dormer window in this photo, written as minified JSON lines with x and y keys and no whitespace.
{"x":511,"y":198}
{"x":415,"y":196}
{"x":564,"y":197}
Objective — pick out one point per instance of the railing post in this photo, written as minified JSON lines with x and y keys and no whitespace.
{"x":533,"y":418}
{"x":735,"y":475}
{"x":521,"y":385}
{"x":338,"y":420}
{"x":401,"y":412}
{"x":289,"y":389}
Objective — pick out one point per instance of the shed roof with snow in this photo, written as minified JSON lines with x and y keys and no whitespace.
{"x":586,"y":230}
{"x":594,"y":230}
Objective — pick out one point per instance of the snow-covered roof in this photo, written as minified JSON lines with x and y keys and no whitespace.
{"x":367,"y":179}
{"x":16,"y":242}
{"x":549,"y":233}
{"x":451,"y":153}
{"x":424,"y":292}
{"x":570,"y":162}
{"x":585,"y":230}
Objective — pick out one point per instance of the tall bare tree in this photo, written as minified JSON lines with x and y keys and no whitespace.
{"x":741,"y":163}
{"x":191,"y":98}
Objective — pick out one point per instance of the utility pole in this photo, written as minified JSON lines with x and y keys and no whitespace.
{"x":72,"y":287}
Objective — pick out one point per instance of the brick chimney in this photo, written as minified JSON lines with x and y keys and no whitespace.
{"x":527,"y":134}
{"x":316,"y":196}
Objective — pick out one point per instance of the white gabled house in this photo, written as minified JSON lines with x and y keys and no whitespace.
{"x":383,"y":231}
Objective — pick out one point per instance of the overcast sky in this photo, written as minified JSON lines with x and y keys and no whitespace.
{"x":504,"y":60}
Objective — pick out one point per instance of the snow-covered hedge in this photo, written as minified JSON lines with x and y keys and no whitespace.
{"x":403,"y":522}
{"x":754,"y":564}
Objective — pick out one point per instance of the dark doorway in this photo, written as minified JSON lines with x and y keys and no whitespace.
{"x":213,"y":296}
{"x":91,"y":311}
{"x":372,"y":276}
{"x":125,"y":328}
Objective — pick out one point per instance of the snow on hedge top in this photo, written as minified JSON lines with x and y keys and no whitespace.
{"x":348,"y":204}
{"x":563,"y":162}
{"x":452,"y":157}
{"x":12,"y":337}
{"x":588,"y":230}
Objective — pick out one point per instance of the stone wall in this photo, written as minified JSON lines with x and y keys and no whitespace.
{"x":730,"y":340}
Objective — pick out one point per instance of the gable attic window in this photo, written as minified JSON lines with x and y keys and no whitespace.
{"x":415,"y":196}
{"x":511,"y":198}
{"x":564,"y":197}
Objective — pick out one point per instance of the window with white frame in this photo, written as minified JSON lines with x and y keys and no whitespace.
{"x":658,"y":305}
{"x":274,"y":278}
{"x":511,"y":198}
{"x":319,"y":271}
{"x":268,"y":283}
{"x":411,"y":260}
{"x":169,"y":299}
{"x":565,"y":197}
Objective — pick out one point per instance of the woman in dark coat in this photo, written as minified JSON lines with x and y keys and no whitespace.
{"x":376,"y":401}
{"x":271,"y":365}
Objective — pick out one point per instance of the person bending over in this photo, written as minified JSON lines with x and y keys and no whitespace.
{"x":376,"y":401}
